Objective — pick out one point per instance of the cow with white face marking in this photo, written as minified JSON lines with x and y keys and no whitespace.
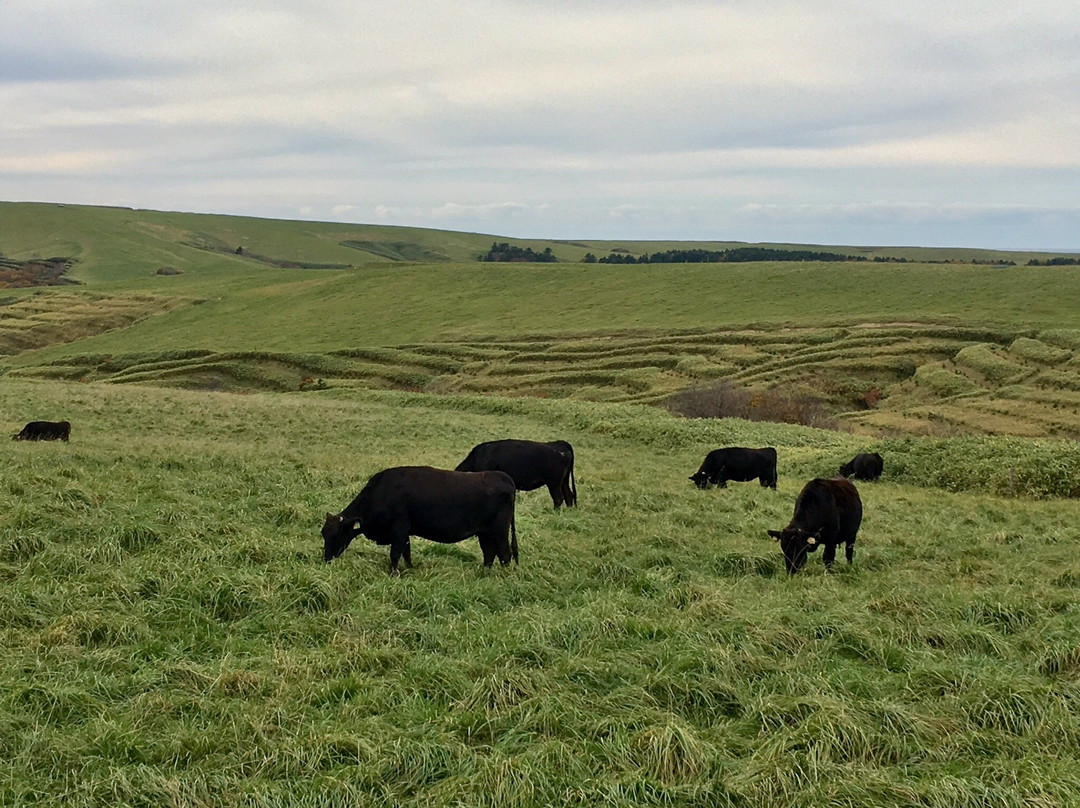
{"x":827,"y":513}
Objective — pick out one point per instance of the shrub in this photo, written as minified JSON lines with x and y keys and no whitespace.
{"x":1036,"y":351}
{"x":982,"y":358}
{"x":1062,"y":337}
{"x":1012,"y":467}
{"x":944,"y":382}
{"x":727,"y":400}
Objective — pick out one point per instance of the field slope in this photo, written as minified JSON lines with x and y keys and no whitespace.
{"x":169,"y":634}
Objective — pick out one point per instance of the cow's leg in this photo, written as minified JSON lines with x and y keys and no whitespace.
{"x":502,"y":546}
{"x":556,"y":495}
{"x":487,"y":546}
{"x":849,"y":551}
{"x":396,"y":551}
{"x":399,"y":545}
{"x":829,"y":555}
{"x":407,"y":553}
{"x":720,"y":482}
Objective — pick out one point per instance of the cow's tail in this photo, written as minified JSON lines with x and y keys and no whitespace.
{"x":513,"y":539}
{"x":573,"y":482}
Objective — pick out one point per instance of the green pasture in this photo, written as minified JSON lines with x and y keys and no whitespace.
{"x":390,"y":305}
{"x":881,"y":349}
{"x":169,"y":634}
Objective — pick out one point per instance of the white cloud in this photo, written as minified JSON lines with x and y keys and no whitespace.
{"x":580,"y":113}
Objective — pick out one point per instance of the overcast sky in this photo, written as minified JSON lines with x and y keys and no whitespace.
{"x":833,"y":122}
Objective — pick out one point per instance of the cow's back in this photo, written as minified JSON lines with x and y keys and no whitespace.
{"x":44,"y":430}
{"x":530,"y":464}
{"x":437,"y":504}
{"x":869,"y":466}
{"x":832,"y":505}
{"x":743,"y":464}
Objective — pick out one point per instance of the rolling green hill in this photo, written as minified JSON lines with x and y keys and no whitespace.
{"x":938,"y":348}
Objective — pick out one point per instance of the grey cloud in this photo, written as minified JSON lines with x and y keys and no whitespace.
{"x":625,"y":117}
{"x":61,"y":64}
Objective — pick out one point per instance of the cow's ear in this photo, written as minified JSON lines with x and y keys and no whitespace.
{"x":775,"y":534}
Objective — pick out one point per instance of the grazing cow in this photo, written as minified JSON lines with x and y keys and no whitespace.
{"x":44,"y":430}
{"x":827,"y":512}
{"x":863,"y":466}
{"x":737,"y":464}
{"x":530,"y":464}
{"x":443,"y":506}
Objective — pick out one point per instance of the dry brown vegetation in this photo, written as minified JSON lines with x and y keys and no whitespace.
{"x":43,"y":319}
{"x":35,"y":272}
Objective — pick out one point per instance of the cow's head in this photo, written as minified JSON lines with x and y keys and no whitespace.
{"x":796,"y":544}
{"x":700,"y":479}
{"x":337,"y":534}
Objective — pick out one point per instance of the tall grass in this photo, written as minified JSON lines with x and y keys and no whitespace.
{"x":168,"y":633}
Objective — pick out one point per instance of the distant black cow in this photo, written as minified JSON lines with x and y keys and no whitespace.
{"x":737,"y":464}
{"x":530,"y":464}
{"x":44,"y":430}
{"x":827,"y":512}
{"x":443,"y":506}
{"x":864,"y":466}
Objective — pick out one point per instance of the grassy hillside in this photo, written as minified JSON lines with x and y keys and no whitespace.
{"x":948,"y":349}
{"x":882,"y":348}
{"x":168,"y":633}
{"x":113,"y":244}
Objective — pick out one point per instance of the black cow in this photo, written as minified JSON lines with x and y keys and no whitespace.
{"x":530,"y":464}
{"x":436,"y":504}
{"x":827,"y":512}
{"x":863,"y":466}
{"x":737,"y":464}
{"x":44,"y":430}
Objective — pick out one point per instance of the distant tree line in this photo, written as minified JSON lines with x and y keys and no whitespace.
{"x":893,"y":259}
{"x":506,"y":252}
{"x":734,"y":255}
{"x":1057,"y":261}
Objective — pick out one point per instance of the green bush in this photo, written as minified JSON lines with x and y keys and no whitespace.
{"x":983,"y":358}
{"x":1068,"y":338}
{"x":1011,"y":467}
{"x":1035,"y":351}
{"x":943,"y":382}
